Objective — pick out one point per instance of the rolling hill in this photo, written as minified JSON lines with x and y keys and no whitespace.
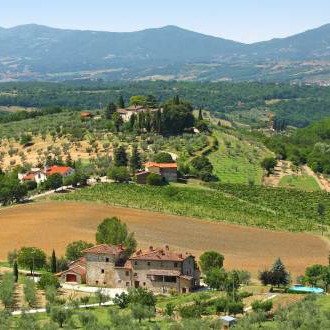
{"x":38,"y":52}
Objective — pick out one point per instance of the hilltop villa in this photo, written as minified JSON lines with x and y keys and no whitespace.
{"x":159,"y":270}
{"x":127,"y":113}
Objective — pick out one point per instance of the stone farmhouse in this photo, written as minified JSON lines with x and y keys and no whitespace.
{"x":169,"y":171}
{"x":40,"y":175}
{"x":159,"y":270}
{"x":128,"y":112}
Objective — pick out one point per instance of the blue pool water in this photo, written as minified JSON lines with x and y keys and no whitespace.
{"x":306,"y":289}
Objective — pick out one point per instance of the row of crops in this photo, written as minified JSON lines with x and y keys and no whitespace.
{"x":287,"y":202}
{"x":230,"y":203}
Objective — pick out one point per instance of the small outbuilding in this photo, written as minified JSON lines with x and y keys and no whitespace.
{"x":227,"y":321}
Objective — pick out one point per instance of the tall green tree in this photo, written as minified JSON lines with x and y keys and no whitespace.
{"x":53,"y":262}
{"x":74,"y":250}
{"x":15,"y":271}
{"x":135,"y":160}
{"x":110,"y":110}
{"x":113,"y":232}
{"x":120,"y":157}
{"x":121,"y":102}
{"x":117,"y":121}
{"x":31,"y":258}
{"x":200,"y":114}
{"x":211,"y":259}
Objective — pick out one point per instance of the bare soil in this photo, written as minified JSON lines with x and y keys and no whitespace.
{"x":52,"y":224}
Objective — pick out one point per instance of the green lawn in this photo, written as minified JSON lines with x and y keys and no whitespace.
{"x":302,"y":182}
{"x":237,"y":160}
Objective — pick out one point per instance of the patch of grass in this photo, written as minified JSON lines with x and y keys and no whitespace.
{"x":302,"y":182}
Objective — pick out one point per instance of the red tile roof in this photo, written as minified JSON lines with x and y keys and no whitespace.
{"x":105,"y":249}
{"x":161,"y":165}
{"x":29,"y":176}
{"x":159,"y":254}
{"x":57,"y":169}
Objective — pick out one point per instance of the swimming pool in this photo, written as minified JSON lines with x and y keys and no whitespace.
{"x":305,"y":289}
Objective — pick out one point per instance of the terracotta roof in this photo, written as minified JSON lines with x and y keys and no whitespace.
{"x":164,"y":272}
{"x":86,"y":114}
{"x":159,"y":254}
{"x":57,"y":169}
{"x":105,"y":249}
{"x":29,"y":176}
{"x":161,"y":165}
{"x":78,"y":269}
{"x":81,"y":261}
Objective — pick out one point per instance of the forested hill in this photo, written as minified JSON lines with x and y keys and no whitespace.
{"x":297,"y":105}
{"x":32,"y":51}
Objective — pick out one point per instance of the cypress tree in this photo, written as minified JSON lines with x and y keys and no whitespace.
{"x":53,"y":263}
{"x":15,"y":270}
{"x":120,"y":157}
{"x":110,"y":110}
{"x":121,"y":102}
{"x":176,"y":100}
{"x":200,"y":114}
{"x":135,"y":161}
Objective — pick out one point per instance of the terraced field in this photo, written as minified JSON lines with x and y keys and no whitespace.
{"x":237,"y":161}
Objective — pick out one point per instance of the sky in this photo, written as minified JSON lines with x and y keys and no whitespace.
{"x":240,"y":20}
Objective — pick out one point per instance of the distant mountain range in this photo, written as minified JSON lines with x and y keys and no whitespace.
{"x":34,"y":52}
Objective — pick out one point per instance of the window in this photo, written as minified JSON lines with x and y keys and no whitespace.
{"x":144,"y":283}
{"x":175,"y":264}
{"x":107,"y":259}
{"x":170,"y":279}
{"x":127,"y":273}
{"x":148,"y":263}
{"x":127,"y":283}
{"x":135,"y":274}
{"x":102,"y":271}
{"x":96,"y":282}
{"x":104,"y":283}
{"x":135,"y":263}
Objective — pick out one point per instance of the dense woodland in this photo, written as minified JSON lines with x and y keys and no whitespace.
{"x":298,"y":105}
{"x":309,"y":145}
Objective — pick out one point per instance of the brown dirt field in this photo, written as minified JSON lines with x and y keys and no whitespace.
{"x":51,"y":225}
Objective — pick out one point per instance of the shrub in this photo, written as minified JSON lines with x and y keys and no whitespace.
{"x":48,"y":279}
{"x":163,"y":157}
{"x":30,"y":293}
{"x":31,"y":185}
{"x":221,"y":305}
{"x":235,"y":307}
{"x":264,"y":306}
{"x":191,"y":311}
{"x":154,"y":179}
